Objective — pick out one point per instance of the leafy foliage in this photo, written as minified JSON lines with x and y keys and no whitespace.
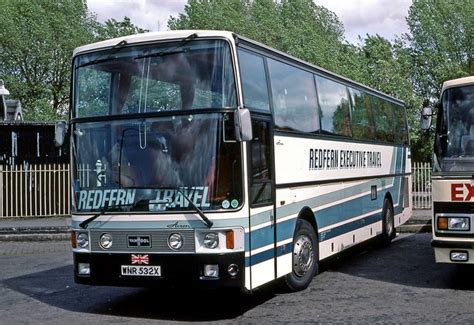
{"x":300,"y":28}
{"x":441,"y":42}
{"x":113,"y":28}
{"x":36,"y":42}
{"x":37,"y":39}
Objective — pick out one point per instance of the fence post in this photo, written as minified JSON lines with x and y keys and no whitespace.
{"x":421,"y":185}
{"x":68,"y":188}
{"x":2,"y":192}
{"x":6,"y":191}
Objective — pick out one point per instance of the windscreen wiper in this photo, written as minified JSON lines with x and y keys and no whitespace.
{"x":169,"y":51}
{"x":208,"y":222}
{"x":109,"y":208}
{"x":106,"y":56}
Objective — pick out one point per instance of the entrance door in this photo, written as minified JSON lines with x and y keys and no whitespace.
{"x":261,"y":199}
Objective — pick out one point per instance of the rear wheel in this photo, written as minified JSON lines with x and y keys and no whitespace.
{"x":388,"y":228}
{"x":305,"y":257}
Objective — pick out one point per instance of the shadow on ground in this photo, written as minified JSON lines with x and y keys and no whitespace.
{"x":409,"y":261}
{"x":55,"y":287}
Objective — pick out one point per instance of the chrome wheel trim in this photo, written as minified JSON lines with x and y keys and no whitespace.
{"x":303,"y":256}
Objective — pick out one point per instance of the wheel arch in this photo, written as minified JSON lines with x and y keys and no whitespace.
{"x":307,"y":214}
{"x":388,"y":196}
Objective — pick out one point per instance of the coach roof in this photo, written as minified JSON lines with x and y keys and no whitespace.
{"x":458,"y":82}
{"x":151,"y":37}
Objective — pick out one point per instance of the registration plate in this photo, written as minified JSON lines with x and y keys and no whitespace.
{"x":141,"y":270}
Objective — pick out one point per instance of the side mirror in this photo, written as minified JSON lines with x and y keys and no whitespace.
{"x":426,"y":115}
{"x":243,"y":124}
{"x":60,"y":130}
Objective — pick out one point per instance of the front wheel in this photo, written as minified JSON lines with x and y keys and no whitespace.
{"x":305,"y":257}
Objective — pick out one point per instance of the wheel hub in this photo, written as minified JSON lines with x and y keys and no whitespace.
{"x":302,"y":255}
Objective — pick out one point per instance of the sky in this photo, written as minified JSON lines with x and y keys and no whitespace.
{"x":360,"y":17}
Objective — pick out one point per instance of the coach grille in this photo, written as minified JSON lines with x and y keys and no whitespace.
{"x":159,"y":240}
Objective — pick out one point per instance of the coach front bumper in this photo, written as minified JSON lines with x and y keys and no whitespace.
{"x":453,"y":251}
{"x":175,"y":269}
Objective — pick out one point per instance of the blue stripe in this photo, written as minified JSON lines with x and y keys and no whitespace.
{"x":400,"y":167}
{"x":355,"y":207}
{"x":286,"y":229}
{"x":264,"y":236}
{"x":326,"y":235}
{"x":268,"y":254}
{"x":260,"y":257}
{"x":337,"y":231}
{"x":261,"y":237}
{"x":326,"y":217}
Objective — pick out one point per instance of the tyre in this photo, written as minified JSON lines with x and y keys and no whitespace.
{"x":388,"y":228}
{"x":305,"y":257}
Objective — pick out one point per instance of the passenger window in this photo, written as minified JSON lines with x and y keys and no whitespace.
{"x":362,"y":125}
{"x":383,"y":118}
{"x":294,"y":98}
{"x":334,"y":103}
{"x":254,"y":81}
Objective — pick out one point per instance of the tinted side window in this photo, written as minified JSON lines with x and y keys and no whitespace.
{"x":334,"y":103}
{"x":362,"y":126}
{"x":383,"y":119}
{"x":254,"y":82}
{"x":294,"y":97}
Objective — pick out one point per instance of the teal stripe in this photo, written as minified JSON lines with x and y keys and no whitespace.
{"x":268,"y":254}
{"x":264,"y":236}
{"x":344,"y":192}
{"x":334,"y":214}
{"x":393,"y":163}
{"x":348,"y":227}
{"x":294,"y":208}
{"x":355,"y":207}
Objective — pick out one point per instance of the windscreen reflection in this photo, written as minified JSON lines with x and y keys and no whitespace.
{"x":454,"y":142}
{"x":149,"y":165}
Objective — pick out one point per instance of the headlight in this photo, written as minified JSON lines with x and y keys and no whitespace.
{"x":105,"y":241}
{"x":175,"y":241}
{"x":82,"y":240}
{"x":458,"y":224}
{"x":454,"y":223}
{"x":211,"y":240}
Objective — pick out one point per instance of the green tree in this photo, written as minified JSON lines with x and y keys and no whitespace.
{"x":297,"y":27}
{"x":36,"y":42}
{"x":37,"y":39}
{"x":442,"y":42}
{"x":388,"y":67}
{"x":113,"y":28}
{"x":212,"y":14}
